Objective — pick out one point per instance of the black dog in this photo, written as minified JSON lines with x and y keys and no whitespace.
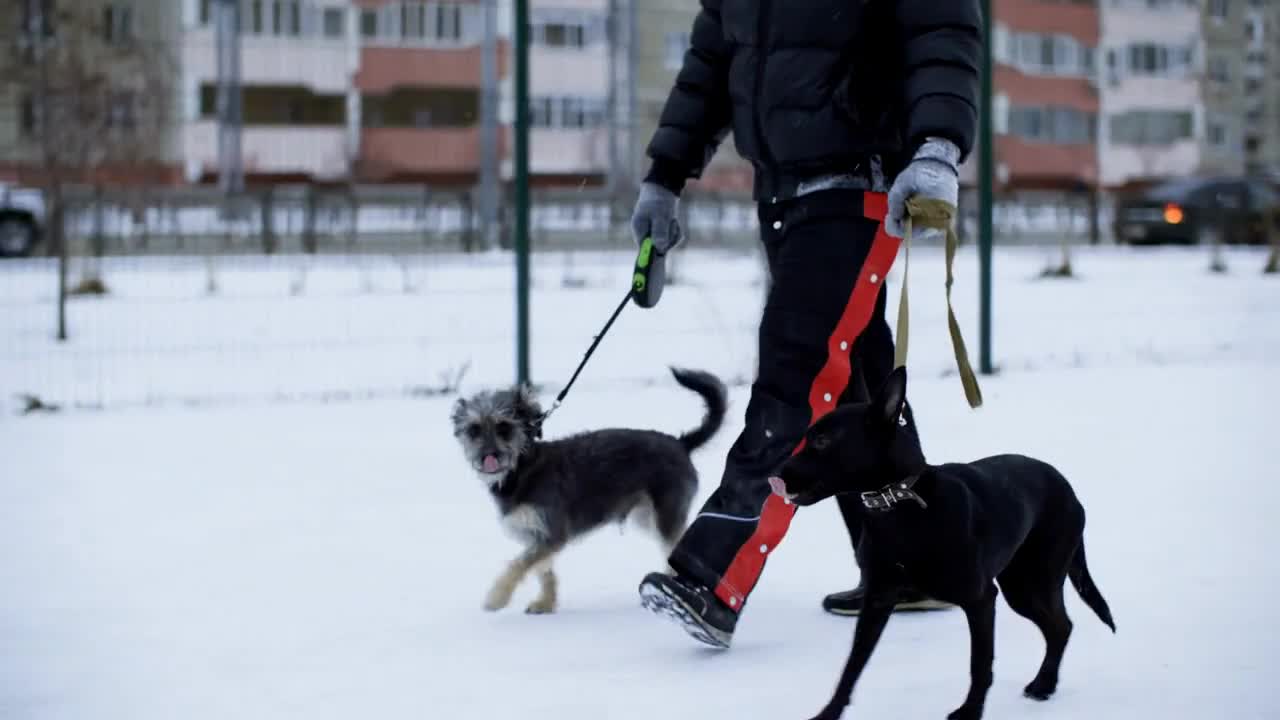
{"x":952,"y":531}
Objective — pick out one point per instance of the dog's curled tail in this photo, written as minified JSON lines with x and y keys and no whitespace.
{"x":714,"y":395}
{"x":1083,"y":582}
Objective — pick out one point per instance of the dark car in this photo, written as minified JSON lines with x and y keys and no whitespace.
{"x":1186,"y":209}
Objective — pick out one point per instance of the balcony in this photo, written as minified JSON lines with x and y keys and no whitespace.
{"x":452,"y":152}
{"x":317,"y":152}
{"x":319,"y":64}
{"x":1043,"y":164}
{"x":1078,"y":20}
{"x":383,"y":69}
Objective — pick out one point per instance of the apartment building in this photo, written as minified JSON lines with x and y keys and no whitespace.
{"x":1262,"y":87}
{"x":299,"y":112}
{"x":1222,"y":30}
{"x":662,"y":39}
{"x":1046,"y":104}
{"x":419,"y":80}
{"x":570,"y":118}
{"x":1154,"y":123}
{"x":106,"y":61}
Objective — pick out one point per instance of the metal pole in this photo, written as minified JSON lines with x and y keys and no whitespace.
{"x":612,"y":22}
{"x":521,"y":31}
{"x":986,"y":168}
{"x":227,"y":38}
{"x":489,"y":127}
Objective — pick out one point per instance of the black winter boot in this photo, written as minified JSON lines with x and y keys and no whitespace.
{"x":696,"y":608}
{"x":849,"y":602}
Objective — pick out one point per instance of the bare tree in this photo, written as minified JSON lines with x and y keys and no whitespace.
{"x":94,"y":90}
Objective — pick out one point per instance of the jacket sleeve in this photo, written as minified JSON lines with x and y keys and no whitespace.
{"x":942,"y":52}
{"x":695,"y":118}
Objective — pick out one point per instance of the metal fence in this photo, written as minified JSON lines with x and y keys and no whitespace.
{"x":306,"y":292}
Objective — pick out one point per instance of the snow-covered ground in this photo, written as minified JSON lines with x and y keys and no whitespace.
{"x":318,"y":560}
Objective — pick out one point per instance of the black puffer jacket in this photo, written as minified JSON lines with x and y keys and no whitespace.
{"x":810,"y":87}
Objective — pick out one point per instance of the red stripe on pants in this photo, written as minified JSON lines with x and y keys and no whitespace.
{"x":775,"y":516}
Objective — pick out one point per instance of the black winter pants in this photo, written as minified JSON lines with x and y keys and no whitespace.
{"x":823,"y":340}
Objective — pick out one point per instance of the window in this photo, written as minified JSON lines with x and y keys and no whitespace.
{"x":27,"y":116}
{"x":674,"y":47}
{"x":540,"y":112}
{"x":117,"y":24}
{"x":448,"y":21}
{"x":293,"y":17}
{"x":1220,"y":69}
{"x":122,"y":112}
{"x":1253,"y":30}
{"x":1151,"y":127}
{"x":1219,"y":9}
{"x":1052,"y":124}
{"x":1149,"y":59}
{"x":564,"y":29}
{"x":413,"y":17}
{"x":204,"y":12}
{"x":1217,"y":134}
{"x":37,"y":17}
{"x":1045,"y":54}
{"x":566,"y":112}
{"x":416,"y":21}
{"x":335,"y":22}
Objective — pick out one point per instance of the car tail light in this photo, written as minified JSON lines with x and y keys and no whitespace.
{"x":1172,"y":214}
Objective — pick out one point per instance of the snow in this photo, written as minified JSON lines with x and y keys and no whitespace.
{"x":328,"y":560}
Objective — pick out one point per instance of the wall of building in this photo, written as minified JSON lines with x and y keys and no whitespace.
{"x":1150,"y":75}
{"x":1223,"y":34}
{"x":1046,"y":106}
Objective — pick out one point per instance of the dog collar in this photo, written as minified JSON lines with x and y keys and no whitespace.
{"x":884,"y":499}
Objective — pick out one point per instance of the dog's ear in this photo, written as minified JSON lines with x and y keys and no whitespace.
{"x":528,"y":409}
{"x":527,"y":402}
{"x":459,"y":412}
{"x":892,"y":398}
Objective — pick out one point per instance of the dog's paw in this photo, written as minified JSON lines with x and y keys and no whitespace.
{"x":828,"y":714}
{"x":496,"y":600}
{"x":1039,"y":690}
{"x":541,"y":606}
{"x":965,"y":712}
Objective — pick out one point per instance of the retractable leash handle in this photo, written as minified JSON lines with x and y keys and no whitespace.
{"x":649,"y":276}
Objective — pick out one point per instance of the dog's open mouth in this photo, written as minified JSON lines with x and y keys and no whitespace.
{"x":780,"y":488}
{"x":490,"y":465}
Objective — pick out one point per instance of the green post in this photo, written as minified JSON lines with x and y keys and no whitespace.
{"x":986,"y":168}
{"x":522,"y":187}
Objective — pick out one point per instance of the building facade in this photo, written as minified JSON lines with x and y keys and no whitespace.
{"x":1153,"y":118}
{"x":300,"y":116}
{"x":1262,"y":87}
{"x":110,"y":72}
{"x":662,"y":40}
{"x":1046,"y":104}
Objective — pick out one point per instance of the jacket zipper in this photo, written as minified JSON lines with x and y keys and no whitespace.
{"x":762,"y":15}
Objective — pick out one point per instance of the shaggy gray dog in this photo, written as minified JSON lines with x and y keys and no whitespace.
{"x":550,"y":493}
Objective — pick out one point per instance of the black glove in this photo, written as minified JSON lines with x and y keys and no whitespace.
{"x":656,"y":216}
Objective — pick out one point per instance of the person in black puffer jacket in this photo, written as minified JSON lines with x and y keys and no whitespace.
{"x":845,"y":109}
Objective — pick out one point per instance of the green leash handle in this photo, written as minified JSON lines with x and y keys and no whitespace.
{"x":649,"y":276}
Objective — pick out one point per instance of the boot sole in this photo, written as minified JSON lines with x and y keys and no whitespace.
{"x":927,"y":605}
{"x":657,"y":600}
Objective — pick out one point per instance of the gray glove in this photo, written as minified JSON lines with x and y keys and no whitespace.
{"x":656,"y":215}
{"x":932,"y":173}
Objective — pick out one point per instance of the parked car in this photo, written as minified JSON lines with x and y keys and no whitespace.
{"x":22,"y":218}
{"x":1184,"y":210}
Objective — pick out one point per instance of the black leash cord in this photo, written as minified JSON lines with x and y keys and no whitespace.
{"x":560,"y":398}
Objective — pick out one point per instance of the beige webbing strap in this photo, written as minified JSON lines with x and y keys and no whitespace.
{"x":936,"y":215}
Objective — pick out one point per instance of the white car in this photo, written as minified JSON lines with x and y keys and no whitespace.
{"x":22,"y":218}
